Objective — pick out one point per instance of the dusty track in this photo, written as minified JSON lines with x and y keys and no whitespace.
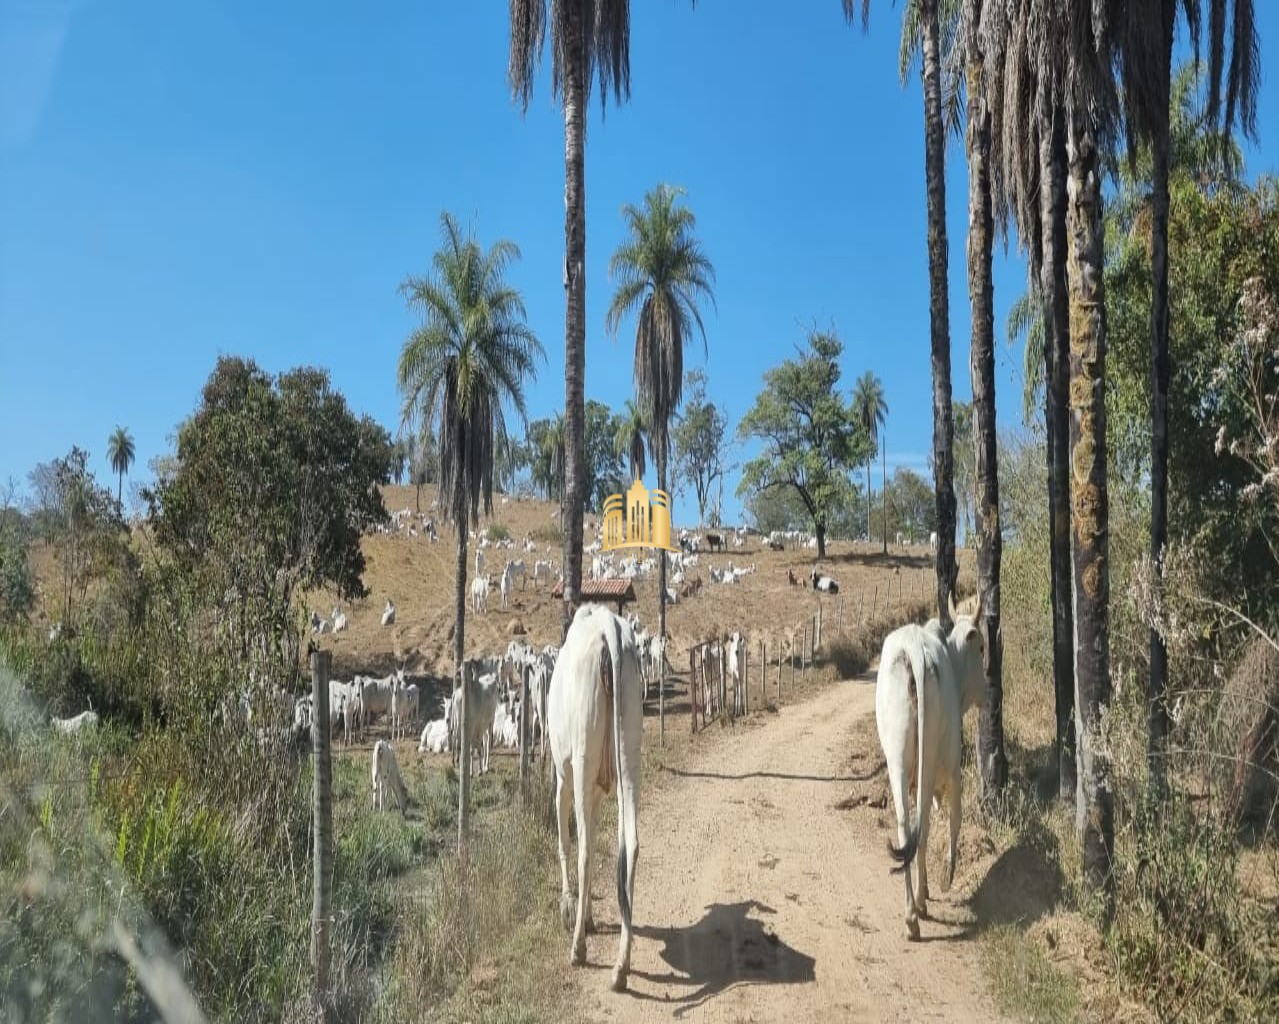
{"x":758,"y":899}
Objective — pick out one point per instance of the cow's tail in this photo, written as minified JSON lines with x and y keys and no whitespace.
{"x":613,"y":640}
{"x":918,"y":669}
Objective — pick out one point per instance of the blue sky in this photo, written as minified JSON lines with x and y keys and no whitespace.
{"x":183,"y":180}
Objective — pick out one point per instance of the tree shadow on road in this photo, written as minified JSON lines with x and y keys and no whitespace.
{"x":726,"y":777}
{"x":726,"y":948}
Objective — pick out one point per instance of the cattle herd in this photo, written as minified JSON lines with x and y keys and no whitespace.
{"x":586,"y":714}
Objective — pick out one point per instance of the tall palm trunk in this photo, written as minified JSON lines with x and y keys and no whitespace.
{"x":660,"y":458}
{"x":1094,"y":809}
{"x":883,"y":485}
{"x":119,"y":489}
{"x":1160,"y":369}
{"x":869,"y":536}
{"x":1052,"y":278}
{"x":459,"y":649}
{"x":575,"y":313}
{"x":939,"y":318}
{"x":992,"y":762}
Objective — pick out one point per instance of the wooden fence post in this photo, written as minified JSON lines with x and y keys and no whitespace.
{"x":818,"y":634}
{"x":746,"y":676}
{"x":779,"y":671}
{"x":661,"y":699}
{"x":723,"y":687}
{"x":322,"y":833}
{"x":763,"y":672}
{"x":692,"y":686}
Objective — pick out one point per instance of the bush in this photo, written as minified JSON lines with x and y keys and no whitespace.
{"x":498,"y":531}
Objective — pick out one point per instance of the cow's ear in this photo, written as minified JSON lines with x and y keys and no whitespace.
{"x":983,"y":634}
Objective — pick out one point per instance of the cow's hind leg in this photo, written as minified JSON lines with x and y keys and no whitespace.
{"x":901,"y":802}
{"x":582,"y":805}
{"x":563,"y":795}
{"x":627,"y":855}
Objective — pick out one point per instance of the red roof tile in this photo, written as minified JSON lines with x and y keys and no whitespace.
{"x":609,"y":590}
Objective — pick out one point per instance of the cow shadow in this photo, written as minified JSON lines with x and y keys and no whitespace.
{"x":726,"y":948}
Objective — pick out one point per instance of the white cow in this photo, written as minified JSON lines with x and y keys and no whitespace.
{"x":596,"y":714}
{"x":480,"y":594}
{"x":926,"y":682}
{"x":482,"y":693}
{"x":543,"y":571}
{"x":824,"y":584}
{"x":339,"y":619}
{"x":73,"y":726}
{"x":404,"y":706}
{"x":386,"y":773}
{"x":388,"y":613}
{"x":932,"y":542}
{"x":435,"y":737}
{"x":515,"y":567}
{"x":507,"y":584}
{"x":352,"y":716}
{"x":479,"y":563}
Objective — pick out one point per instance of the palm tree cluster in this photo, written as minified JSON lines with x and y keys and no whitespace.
{"x":1052,"y":88}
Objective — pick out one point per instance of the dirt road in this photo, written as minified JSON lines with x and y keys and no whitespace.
{"x":757,"y":899}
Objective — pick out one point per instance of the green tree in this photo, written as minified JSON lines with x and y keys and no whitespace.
{"x":120,"y":452}
{"x":603,"y":468}
{"x":700,"y":441}
{"x":1145,"y":52}
{"x":810,"y":438}
{"x":662,"y":274}
{"x":927,"y":28}
{"x":628,"y":441}
{"x":17,"y":588}
{"x":472,"y":355}
{"x":872,"y":413}
{"x":275,"y":482}
{"x":546,"y":443}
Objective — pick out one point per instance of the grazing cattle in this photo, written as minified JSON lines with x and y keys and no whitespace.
{"x":482,"y":694}
{"x":72,"y":726}
{"x":404,"y":706}
{"x":932,"y":542}
{"x":596,"y":714}
{"x":435,"y":737}
{"x":479,"y":563}
{"x":790,"y":578}
{"x":506,"y":585}
{"x":339,"y":619}
{"x":480,"y":594}
{"x":516,"y":568}
{"x":926,"y":683}
{"x":539,"y":683}
{"x":715,"y":542}
{"x":543,"y":571}
{"x":318,"y":625}
{"x":386,"y":774}
{"x":352,"y":716}
{"x":825,"y":584}
{"x":375,"y":694}
{"x":388,"y":613}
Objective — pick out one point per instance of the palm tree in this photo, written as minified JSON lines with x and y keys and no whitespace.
{"x":1054,"y":110}
{"x":471,"y":356}
{"x":629,"y":442}
{"x":120,"y":452}
{"x":871,"y":409}
{"x":662,"y":272}
{"x":1145,"y":49}
{"x":926,"y":24}
{"x":992,"y":760}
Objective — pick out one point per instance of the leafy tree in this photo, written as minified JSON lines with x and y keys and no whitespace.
{"x":275,"y":482}
{"x":810,"y":437}
{"x":1145,"y":61}
{"x":603,"y":468}
{"x":17,"y":588}
{"x":83,"y":523}
{"x":907,"y":506}
{"x":872,"y":412}
{"x":472,"y":355}
{"x":662,"y":274}
{"x":628,"y":441}
{"x":776,"y":508}
{"x":120,"y":452}
{"x":546,"y":445}
{"x":700,"y":441}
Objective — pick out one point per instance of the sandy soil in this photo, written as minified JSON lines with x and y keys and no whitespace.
{"x":763,"y":891}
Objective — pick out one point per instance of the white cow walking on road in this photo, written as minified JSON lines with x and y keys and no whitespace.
{"x":926,"y":682}
{"x":596,"y":715}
